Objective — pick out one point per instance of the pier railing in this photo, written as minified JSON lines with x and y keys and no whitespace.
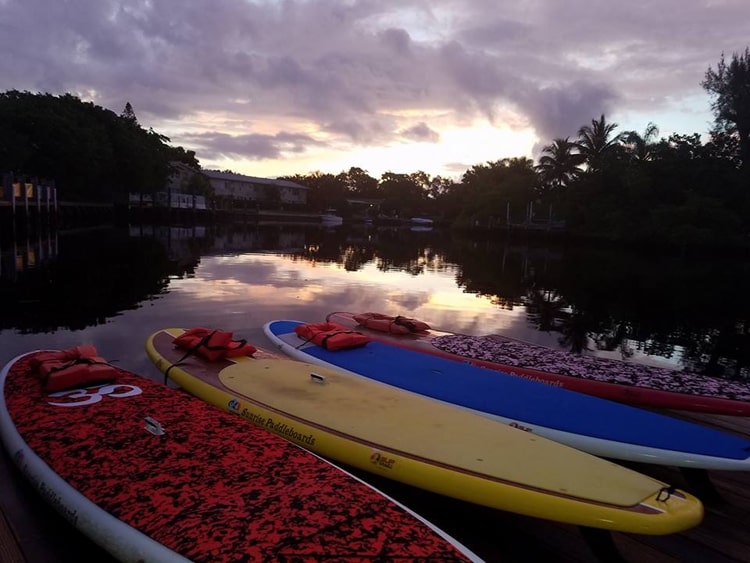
{"x":23,"y":195}
{"x":27,"y":201}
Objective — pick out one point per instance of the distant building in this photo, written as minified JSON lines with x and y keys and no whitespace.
{"x":180,"y":175}
{"x":171,"y":198}
{"x":229,"y":191}
{"x":230,"y":188}
{"x":367,"y":208}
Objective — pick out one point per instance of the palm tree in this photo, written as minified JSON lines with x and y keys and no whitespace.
{"x":558,"y":165}
{"x":639,"y":146}
{"x":595,"y":143}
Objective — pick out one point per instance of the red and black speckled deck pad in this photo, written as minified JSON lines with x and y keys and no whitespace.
{"x":212,"y":487}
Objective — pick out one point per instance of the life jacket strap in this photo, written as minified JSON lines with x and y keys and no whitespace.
{"x":211,"y":345}
{"x":190,"y":352}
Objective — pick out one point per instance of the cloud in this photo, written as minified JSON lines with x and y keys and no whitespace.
{"x":219,"y":146}
{"x":421,"y":132}
{"x":560,"y":111}
{"x":325,"y":75}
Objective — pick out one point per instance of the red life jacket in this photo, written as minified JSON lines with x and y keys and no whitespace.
{"x":73,"y":367}
{"x":331,"y":336}
{"x":394,"y":325}
{"x":213,"y":344}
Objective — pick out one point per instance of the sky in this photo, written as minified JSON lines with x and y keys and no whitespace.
{"x":273,"y":88}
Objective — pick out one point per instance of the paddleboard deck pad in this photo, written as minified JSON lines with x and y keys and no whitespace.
{"x":626,"y":382}
{"x":153,"y":474}
{"x":598,"y":426}
{"x":412,"y":439}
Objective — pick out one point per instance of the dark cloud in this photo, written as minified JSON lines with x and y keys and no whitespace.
{"x":327,"y":73}
{"x":398,"y":41}
{"x":421,"y":132}
{"x":561,"y":111}
{"x":360,"y":130}
{"x":252,"y":147}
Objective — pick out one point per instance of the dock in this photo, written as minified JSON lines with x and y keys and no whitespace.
{"x":31,"y":532}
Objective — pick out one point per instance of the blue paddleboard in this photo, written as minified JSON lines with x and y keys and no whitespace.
{"x":595,"y":425}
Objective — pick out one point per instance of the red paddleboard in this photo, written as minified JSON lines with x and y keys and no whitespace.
{"x":151,"y":473}
{"x":634,"y":384}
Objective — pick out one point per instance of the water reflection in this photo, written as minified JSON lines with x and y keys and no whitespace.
{"x":659,"y":309}
{"x":20,"y":256}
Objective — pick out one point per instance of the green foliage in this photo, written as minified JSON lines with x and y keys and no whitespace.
{"x":495,"y":189}
{"x":698,"y":221}
{"x":403,"y":194}
{"x":326,"y":190}
{"x":129,"y":114}
{"x":730,"y":86}
{"x":359,"y":183}
{"x":559,"y":165}
{"x":90,"y":152}
{"x":597,"y":143}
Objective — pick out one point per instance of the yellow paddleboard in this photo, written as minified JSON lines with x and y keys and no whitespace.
{"x":437,"y":447}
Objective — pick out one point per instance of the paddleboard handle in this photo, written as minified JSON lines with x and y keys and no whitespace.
{"x":317,"y":378}
{"x":665,"y":493}
{"x":154,"y":426}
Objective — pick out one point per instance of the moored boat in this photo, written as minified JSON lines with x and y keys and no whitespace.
{"x":330,"y":217}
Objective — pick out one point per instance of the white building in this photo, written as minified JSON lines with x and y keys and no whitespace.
{"x":238,"y":187}
{"x":229,"y":191}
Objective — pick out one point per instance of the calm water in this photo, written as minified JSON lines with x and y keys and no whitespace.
{"x":112,"y":288}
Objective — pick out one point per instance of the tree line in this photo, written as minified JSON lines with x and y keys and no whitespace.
{"x":91,"y":153}
{"x":602,"y":183}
